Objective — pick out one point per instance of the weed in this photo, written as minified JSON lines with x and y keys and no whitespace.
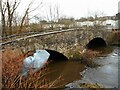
{"x":12,"y":61}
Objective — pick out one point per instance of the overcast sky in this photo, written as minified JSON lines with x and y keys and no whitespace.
{"x":72,"y":8}
{"x":75,"y":8}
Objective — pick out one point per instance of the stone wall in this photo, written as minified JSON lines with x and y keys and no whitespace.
{"x":69,"y":42}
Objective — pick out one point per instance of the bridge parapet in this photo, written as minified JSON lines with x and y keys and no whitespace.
{"x":64,"y":41}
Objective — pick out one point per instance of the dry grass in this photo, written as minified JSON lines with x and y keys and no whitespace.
{"x":89,"y":57}
{"x":11,"y":67}
{"x":90,"y":85}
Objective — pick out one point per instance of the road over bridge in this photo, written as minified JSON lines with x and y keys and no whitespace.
{"x":65,"y":41}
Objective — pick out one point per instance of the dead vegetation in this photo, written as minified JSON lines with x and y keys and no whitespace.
{"x":89,"y":56}
{"x":11,"y":67}
{"x":90,"y":85}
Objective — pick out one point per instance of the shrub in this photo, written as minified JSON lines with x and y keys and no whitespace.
{"x":11,"y":67}
{"x":89,"y":56}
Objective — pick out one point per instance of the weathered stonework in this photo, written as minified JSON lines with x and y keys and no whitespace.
{"x":66,"y":42}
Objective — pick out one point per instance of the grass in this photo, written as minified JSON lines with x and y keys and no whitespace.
{"x":89,"y":56}
{"x":11,"y":66}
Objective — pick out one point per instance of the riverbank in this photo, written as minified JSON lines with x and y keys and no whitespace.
{"x":103,"y":76}
{"x":55,"y":74}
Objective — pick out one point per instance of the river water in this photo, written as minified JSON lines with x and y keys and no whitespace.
{"x":105,"y":75}
{"x":74,"y":72}
{"x":67,"y":70}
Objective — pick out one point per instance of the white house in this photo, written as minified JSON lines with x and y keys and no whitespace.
{"x":111,"y":24}
{"x":87,"y":23}
{"x":84,"y":23}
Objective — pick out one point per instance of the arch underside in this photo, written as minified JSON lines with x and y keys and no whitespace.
{"x":96,"y":43}
{"x":56,"y":56}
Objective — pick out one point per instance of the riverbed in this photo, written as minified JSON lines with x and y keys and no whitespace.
{"x":105,"y":75}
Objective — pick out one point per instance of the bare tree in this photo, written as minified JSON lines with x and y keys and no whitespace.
{"x":26,"y":15}
{"x":16,"y":19}
{"x":7,"y":12}
{"x":10,"y":10}
{"x":53,"y":15}
{"x":23,"y":19}
{"x":3,"y":11}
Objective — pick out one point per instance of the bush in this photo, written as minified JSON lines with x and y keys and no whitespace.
{"x":11,"y":67}
{"x":89,"y":56}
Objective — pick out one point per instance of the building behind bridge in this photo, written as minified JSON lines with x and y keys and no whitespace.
{"x":118,"y":15}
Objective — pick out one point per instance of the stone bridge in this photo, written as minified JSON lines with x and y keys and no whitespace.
{"x":69,"y":42}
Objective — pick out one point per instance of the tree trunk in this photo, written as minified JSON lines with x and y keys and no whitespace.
{"x":4,"y":34}
{"x":23,"y":19}
{"x":10,"y":26}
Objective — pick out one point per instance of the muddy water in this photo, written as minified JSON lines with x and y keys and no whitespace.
{"x":106,"y":74}
{"x":73,"y":71}
{"x":68,"y":70}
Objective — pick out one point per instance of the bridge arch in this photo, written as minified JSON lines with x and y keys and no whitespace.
{"x":56,"y":56}
{"x":96,"y":43}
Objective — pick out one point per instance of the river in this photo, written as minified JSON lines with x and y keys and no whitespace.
{"x":106,"y":75}
{"x":73,"y":73}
